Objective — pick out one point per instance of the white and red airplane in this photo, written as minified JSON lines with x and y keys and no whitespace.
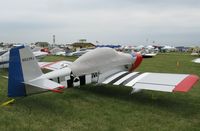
{"x":101,"y":65}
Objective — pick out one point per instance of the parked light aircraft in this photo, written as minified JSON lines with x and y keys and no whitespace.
{"x":101,"y":65}
{"x":58,"y":51}
{"x":197,"y":60}
{"x":146,"y":53}
{"x":4,"y":58}
{"x":195,"y":52}
{"x":79,"y":53}
{"x":2,"y":51}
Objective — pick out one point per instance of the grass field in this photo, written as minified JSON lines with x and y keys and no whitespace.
{"x":107,"y":107}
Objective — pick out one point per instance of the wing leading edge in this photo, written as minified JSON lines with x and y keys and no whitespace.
{"x":154,"y":81}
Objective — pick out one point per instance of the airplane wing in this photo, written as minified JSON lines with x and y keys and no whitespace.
{"x":153,"y":81}
{"x":39,"y":53}
{"x":54,"y":65}
{"x":42,"y":84}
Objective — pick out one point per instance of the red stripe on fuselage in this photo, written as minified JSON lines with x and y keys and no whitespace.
{"x":186,"y":84}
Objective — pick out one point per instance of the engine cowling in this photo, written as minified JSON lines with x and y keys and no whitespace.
{"x":137,"y":62}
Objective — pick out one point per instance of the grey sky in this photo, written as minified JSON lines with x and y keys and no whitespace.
{"x":173,"y":22}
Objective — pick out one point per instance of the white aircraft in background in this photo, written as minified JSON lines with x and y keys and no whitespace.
{"x":4,"y":58}
{"x":195,"y":52}
{"x":58,"y":51}
{"x":101,"y":65}
{"x":79,"y":52}
{"x":168,"y":48}
{"x":197,"y":60}
{"x":2,"y":51}
{"x":146,"y":51}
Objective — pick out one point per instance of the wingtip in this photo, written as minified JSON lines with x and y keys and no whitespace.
{"x":56,"y":91}
{"x":186,"y":84}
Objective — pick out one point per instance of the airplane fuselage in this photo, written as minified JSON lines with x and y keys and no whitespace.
{"x":94,"y":67}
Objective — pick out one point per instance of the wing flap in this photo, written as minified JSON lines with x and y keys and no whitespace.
{"x":161,"y":78}
{"x":155,"y":87}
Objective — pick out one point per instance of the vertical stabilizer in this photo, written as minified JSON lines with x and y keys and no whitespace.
{"x":22,"y":67}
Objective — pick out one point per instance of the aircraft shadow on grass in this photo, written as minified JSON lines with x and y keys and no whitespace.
{"x":173,"y":103}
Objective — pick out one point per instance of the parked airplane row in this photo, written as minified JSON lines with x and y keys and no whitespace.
{"x":148,"y":51}
{"x":145,"y":51}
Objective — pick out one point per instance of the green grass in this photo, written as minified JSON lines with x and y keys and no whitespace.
{"x":108,"y":107}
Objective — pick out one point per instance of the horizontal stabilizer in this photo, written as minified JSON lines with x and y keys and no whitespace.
{"x":42,"y":84}
{"x":5,"y":77}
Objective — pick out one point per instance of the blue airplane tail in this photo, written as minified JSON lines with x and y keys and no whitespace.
{"x":23,"y":68}
{"x":16,"y":87}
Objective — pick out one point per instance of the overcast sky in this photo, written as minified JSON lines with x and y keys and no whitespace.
{"x":172,"y":22}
